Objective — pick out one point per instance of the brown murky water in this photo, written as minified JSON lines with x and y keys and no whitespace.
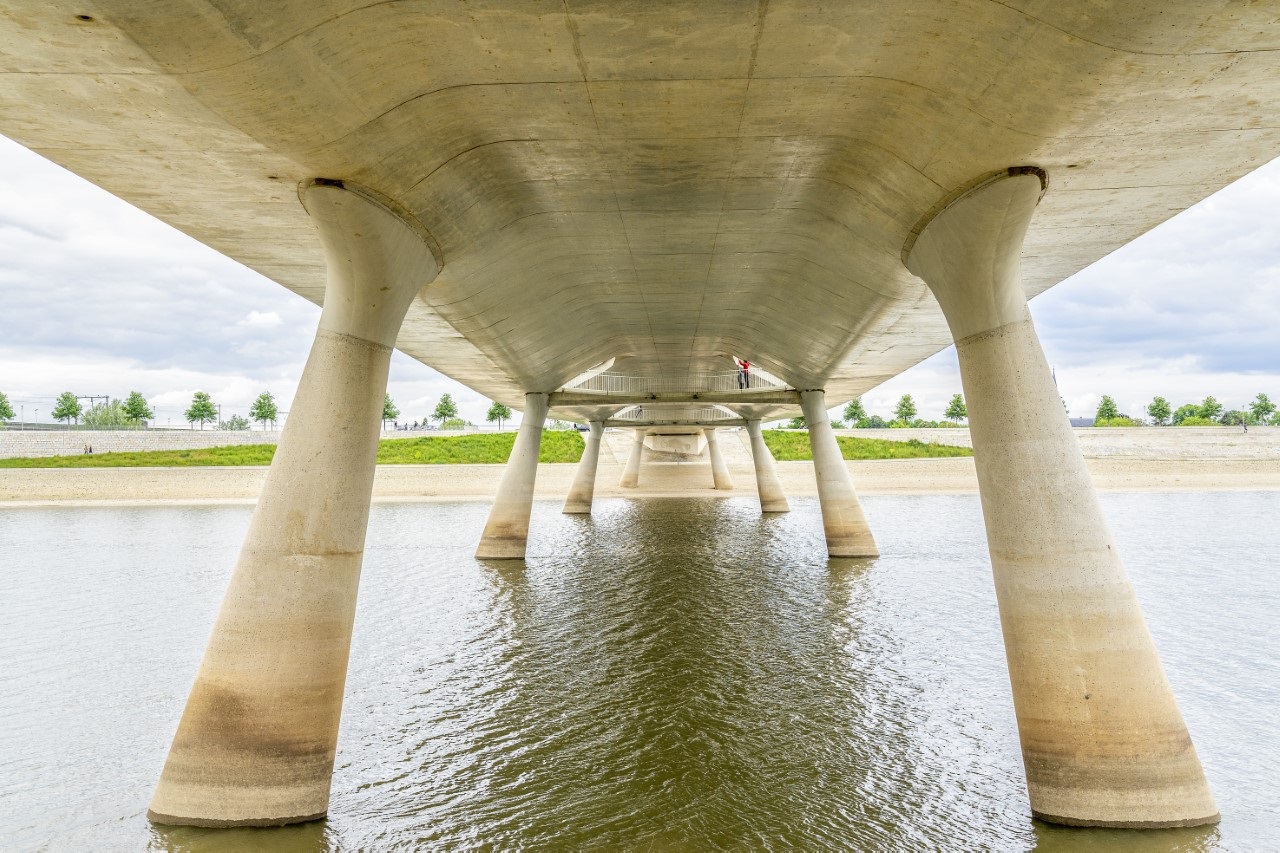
{"x":665,"y":675}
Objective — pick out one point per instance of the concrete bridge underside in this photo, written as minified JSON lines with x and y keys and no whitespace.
{"x":518,"y":193}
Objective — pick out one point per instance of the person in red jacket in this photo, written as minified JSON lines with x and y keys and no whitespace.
{"x":744,"y":373}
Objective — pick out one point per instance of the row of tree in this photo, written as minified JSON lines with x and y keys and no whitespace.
{"x":134,"y":410}
{"x":1209,"y":412}
{"x":446,"y":413}
{"x":905,"y":414}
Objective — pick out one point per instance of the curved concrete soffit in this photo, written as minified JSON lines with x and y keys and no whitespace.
{"x":963,"y":190}
{"x":389,"y":205}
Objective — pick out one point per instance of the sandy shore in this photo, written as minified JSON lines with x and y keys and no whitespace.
{"x":95,"y":486}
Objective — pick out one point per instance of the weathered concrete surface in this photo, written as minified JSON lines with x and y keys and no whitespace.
{"x":843,"y":521}
{"x":665,"y":183}
{"x":507,"y":530}
{"x":257,"y":739}
{"x":1103,"y":742}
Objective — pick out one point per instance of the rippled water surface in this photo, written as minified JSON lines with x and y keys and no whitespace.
{"x":664,"y":675}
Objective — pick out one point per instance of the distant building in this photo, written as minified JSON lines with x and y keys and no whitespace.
{"x":1082,"y":422}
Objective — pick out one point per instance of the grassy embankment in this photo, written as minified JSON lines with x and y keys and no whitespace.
{"x":793,"y":446}
{"x":478,"y":448}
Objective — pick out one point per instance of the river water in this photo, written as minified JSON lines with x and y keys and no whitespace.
{"x":664,"y":675}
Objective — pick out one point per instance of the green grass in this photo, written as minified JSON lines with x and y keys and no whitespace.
{"x":472,"y":449}
{"x":793,"y":446}
{"x":245,"y":454}
{"x":477,"y":448}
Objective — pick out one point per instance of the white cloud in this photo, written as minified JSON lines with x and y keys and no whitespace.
{"x":262,"y":320}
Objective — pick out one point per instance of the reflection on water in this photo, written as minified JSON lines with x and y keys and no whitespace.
{"x":665,"y":674}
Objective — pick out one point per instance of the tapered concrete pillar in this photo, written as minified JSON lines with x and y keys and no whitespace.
{"x":1103,"y":742}
{"x":507,"y":531}
{"x":257,"y":739}
{"x":584,"y":481}
{"x":719,"y":471}
{"x":771,"y":497}
{"x":631,"y":474}
{"x":842,"y":520}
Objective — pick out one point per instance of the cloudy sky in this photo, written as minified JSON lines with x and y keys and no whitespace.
{"x":100,"y":298}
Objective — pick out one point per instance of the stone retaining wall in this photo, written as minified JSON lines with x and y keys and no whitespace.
{"x":15,"y":443}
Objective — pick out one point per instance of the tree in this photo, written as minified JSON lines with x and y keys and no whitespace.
{"x":108,"y":415}
{"x":796,"y":423}
{"x":202,"y":409}
{"x":67,"y":408}
{"x":1262,"y":409}
{"x":1180,"y":414}
{"x":389,"y":411}
{"x":235,"y":422}
{"x":854,"y":412}
{"x":136,"y":408}
{"x":905,"y":411}
{"x":1210,"y":408}
{"x":956,"y":410}
{"x":498,"y":412}
{"x":6,"y":410}
{"x":1159,"y":410}
{"x":264,"y":409}
{"x":445,"y":409}
{"x":1235,"y":418}
{"x":1106,"y":409}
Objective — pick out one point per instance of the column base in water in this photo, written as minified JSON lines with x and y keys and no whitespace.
{"x":719,"y":470}
{"x":257,"y":740}
{"x":582,"y":492}
{"x":772,"y":498}
{"x":1103,"y":742}
{"x":843,"y":523}
{"x":631,"y":474}
{"x":506,"y":534}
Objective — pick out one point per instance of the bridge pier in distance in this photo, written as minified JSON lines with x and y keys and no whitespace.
{"x":843,"y":521}
{"x":631,"y":474}
{"x":582,"y":492}
{"x":257,"y":739}
{"x":506,"y":533}
{"x":719,"y":470}
{"x":772,"y":498}
{"x":1103,"y":742}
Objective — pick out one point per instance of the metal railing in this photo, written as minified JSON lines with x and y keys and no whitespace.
{"x":690,"y":414}
{"x":615,"y":383}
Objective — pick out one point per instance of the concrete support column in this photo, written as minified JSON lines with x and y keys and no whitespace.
{"x":631,"y":474}
{"x":584,"y":480}
{"x":771,"y":497}
{"x":1103,"y":741}
{"x":719,"y":470}
{"x":507,"y":531}
{"x":842,"y":520}
{"x":256,"y":743}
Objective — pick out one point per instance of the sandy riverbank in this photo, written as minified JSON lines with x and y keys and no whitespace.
{"x":94,"y":486}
